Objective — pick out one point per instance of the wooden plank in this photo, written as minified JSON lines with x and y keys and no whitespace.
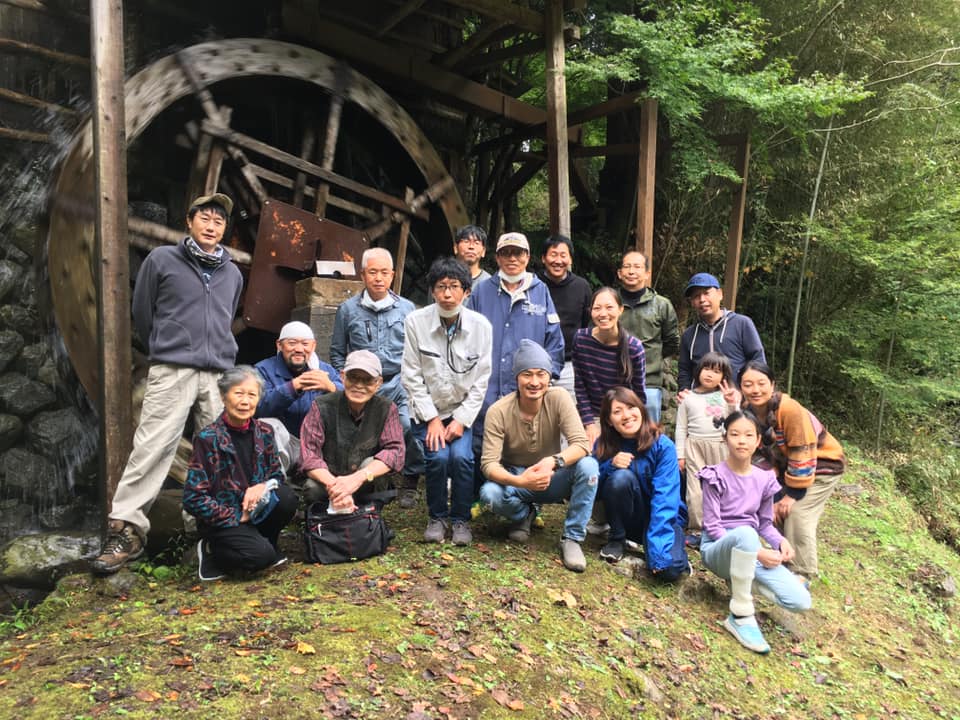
{"x":430,"y":195}
{"x":731,"y":277}
{"x":47,"y":9}
{"x":523,"y":17}
{"x":331,"y":134}
{"x":113,"y":252}
{"x":30,"y":101}
{"x":558,"y":159}
{"x":398,"y":16}
{"x":501,"y":55}
{"x":15,"y":46}
{"x":337,"y":202}
{"x":306,"y":151}
{"x":262,"y":148}
{"x":24,"y":135}
{"x":646,"y":179}
{"x":402,"y":247}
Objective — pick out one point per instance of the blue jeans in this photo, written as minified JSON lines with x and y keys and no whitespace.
{"x":654,"y":402}
{"x":576,"y":484}
{"x":455,"y":461}
{"x":787,"y":589}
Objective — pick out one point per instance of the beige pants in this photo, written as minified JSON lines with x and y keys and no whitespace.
{"x":800,"y":527}
{"x":173,"y":393}
{"x":698,"y":454}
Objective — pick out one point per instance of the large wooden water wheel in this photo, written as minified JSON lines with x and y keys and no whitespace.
{"x":296,"y":137}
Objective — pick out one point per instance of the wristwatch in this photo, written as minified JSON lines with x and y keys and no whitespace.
{"x":558,"y":462}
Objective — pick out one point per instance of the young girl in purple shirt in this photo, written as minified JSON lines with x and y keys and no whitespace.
{"x":737,"y":516}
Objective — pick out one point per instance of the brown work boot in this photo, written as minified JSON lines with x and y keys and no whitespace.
{"x":122,"y":545}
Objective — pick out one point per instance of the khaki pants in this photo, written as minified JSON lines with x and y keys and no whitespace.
{"x":800,"y":527}
{"x":700,"y":452}
{"x":173,"y":393}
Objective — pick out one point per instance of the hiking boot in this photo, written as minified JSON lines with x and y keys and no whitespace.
{"x":572,"y":555}
{"x":613,"y":551}
{"x":122,"y":545}
{"x":461,"y":533}
{"x":436,"y":530}
{"x":206,"y":568}
{"x":747,"y":633}
{"x":520,"y":530}
{"x":407,"y":498}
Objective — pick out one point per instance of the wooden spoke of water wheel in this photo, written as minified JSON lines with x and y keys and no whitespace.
{"x":221,"y":150}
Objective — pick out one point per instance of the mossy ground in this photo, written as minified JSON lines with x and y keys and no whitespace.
{"x":497,"y":630}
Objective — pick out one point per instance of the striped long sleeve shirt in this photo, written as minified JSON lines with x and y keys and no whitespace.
{"x":596,"y":369}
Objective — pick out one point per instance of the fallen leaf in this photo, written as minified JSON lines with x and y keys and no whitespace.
{"x":562,"y":597}
{"x":297,"y":670}
{"x":182,"y":662}
{"x":147,"y":696}
{"x":188,"y":611}
{"x":504,"y":699}
{"x":243,"y":652}
{"x":305,"y":648}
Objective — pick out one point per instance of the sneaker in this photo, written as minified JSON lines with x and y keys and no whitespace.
{"x":572,"y":555}
{"x":407,"y":498}
{"x":747,"y":633}
{"x":520,"y":530}
{"x":461,"y":533}
{"x":692,"y":540}
{"x":612,"y":552}
{"x":282,"y":560}
{"x":206,"y":567}
{"x":122,"y":545}
{"x":436,"y":530}
{"x":596,"y":528}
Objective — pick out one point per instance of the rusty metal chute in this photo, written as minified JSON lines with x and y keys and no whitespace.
{"x":195,"y":71}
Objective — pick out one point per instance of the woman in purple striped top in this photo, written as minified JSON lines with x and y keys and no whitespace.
{"x":604,"y":355}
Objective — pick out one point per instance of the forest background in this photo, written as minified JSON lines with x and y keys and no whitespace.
{"x":853,"y":111}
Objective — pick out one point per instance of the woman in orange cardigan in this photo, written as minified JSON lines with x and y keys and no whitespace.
{"x":807,"y":459}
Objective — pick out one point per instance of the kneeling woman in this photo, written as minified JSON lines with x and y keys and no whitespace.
{"x":234,"y":484}
{"x":640,"y":485}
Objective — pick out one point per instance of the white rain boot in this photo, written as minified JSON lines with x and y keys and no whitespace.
{"x":741,"y":622}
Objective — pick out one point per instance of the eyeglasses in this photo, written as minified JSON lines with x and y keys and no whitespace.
{"x":453,"y":287}
{"x":512,"y":252}
{"x":361,"y":379}
{"x":633,"y":267}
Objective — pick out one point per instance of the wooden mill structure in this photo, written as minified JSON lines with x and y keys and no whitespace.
{"x":375,"y":121}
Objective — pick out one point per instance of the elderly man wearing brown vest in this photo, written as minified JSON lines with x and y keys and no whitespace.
{"x":351,"y":437}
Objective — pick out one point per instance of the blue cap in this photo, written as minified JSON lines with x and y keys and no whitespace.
{"x":701,"y":280}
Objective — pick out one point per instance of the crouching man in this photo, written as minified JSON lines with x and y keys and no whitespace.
{"x":522,"y":460}
{"x":351,"y":437}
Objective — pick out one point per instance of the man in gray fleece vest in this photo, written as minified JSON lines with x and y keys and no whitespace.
{"x":183,"y":306}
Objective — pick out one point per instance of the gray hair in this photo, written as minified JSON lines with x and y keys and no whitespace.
{"x":236,"y":375}
{"x":375,"y":252}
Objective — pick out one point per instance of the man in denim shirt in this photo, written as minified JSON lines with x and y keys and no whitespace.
{"x":373,"y":320}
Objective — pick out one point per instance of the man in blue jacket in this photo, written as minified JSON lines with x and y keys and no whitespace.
{"x":293,"y":378}
{"x":183,"y":307}
{"x":716,"y":330}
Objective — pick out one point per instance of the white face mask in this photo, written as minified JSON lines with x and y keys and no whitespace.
{"x":512,"y":278}
{"x":447,"y":314}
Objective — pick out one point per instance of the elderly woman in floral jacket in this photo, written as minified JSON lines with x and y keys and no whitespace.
{"x":234,"y":484}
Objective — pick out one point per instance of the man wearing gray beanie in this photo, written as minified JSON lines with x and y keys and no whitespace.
{"x":522,"y":459}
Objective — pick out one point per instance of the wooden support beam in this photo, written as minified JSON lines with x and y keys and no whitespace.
{"x":523,"y":17}
{"x":415,"y":73}
{"x":306,"y":152}
{"x":499,"y":56}
{"x":415,"y":204}
{"x":398,"y":16}
{"x":30,"y":101}
{"x":261,"y":148}
{"x":520,"y":178}
{"x":331,"y":134}
{"x":558,"y":160}
{"x":731,"y":277}
{"x":646,"y":179}
{"x":112,"y":257}
{"x":490,"y":31}
{"x":15,"y":46}
{"x":24,"y":135}
{"x":580,"y":186}
{"x":402,"y":246}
